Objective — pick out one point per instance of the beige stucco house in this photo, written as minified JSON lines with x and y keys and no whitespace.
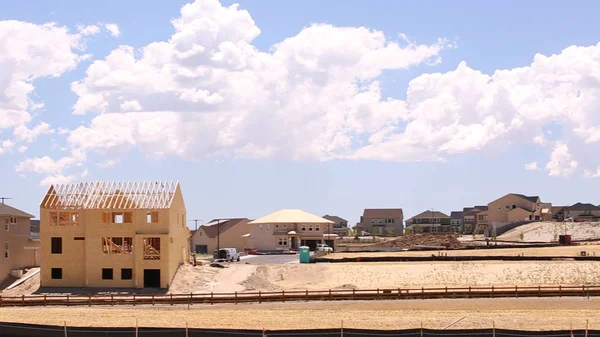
{"x":382,"y":221}
{"x":288,"y":229}
{"x":429,"y":222}
{"x":513,"y":208}
{"x":112,"y":234}
{"x":19,"y":249}
{"x":223,"y":233}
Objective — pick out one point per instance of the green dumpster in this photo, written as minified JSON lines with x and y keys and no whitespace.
{"x":304,"y":254}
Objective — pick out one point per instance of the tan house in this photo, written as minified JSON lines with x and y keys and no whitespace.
{"x":581,"y":212}
{"x":19,"y":249}
{"x":471,"y":220}
{"x":382,"y":221}
{"x":513,"y":208}
{"x":223,"y":233}
{"x":113,"y":234}
{"x":340,"y":225}
{"x":289,"y":229}
{"x":429,"y":222}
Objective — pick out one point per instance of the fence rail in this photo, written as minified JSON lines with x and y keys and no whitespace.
{"x":305,"y":295}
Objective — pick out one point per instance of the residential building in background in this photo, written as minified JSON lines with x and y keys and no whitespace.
{"x":429,"y":222}
{"x":456,"y":220}
{"x":18,"y":248}
{"x":288,"y":229}
{"x":382,"y":221}
{"x":513,"y":208}
{"x":581,"y":212}
{"x":470,"y":218}
{"x":340,"y":226}
{"x":113,"y":234}
{"x":222,"y":233}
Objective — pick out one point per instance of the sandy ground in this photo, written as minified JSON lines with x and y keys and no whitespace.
{"x":549,"y":231}
{"x":565,"y":251}
{"x":524,"y":314}
{"x":206,"y":279}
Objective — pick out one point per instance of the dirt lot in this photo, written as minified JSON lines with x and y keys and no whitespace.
{"x":546,"y":251}
{"x":549,"y":231}
{"x":525,"y":314}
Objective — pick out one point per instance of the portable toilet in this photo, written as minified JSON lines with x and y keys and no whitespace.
{"x":304,"y":254}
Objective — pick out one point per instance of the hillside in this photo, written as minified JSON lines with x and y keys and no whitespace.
{"x":549,"y":231}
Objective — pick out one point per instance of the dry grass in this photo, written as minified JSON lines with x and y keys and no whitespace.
{"x":549,"y":231}
{"x":524,"y":314}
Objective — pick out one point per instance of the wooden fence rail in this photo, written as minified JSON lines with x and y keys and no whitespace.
{"x":302,"y":295}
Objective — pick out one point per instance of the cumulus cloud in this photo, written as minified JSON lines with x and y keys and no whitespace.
{"x":29,"y":52}
{"x":533,"y":166}
{"x":113,"y":29}
{"x":57,"y":179}
{"x":6,"y":146}
{"x":592,"y":174}
{"x":208,"y":91}
{"x":107,"y":164}
{"x":561,"y":162}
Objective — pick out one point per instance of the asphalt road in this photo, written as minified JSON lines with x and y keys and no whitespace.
{"x":270,"y":259}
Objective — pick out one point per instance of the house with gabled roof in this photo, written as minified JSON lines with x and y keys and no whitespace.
{"x":513,"y":208}
{"x":221,"y":233}
{"x":428,"y":222}
{"x":340,"y":225}
{"x":113,"y":234}
{"x":583,"y":212}
{"x":382,"y":221}
{"x":18,"y":248}
{"x":474,"y":216}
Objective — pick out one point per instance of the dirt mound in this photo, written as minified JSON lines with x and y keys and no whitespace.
{"x":427,"y":239}
{"x":258,"y":281}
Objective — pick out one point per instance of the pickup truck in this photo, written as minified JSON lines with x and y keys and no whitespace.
{"x":321,"y":247}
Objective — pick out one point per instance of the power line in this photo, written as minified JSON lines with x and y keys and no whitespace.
{"x":4,"y":198}
{"x":196,"y":223}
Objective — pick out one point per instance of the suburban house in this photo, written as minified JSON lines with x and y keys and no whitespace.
{"x":288,"y":229}
{"x":429,"y":222}
{"x":558,"y":213}
{"x":581,"y":212}
{"x":220,"y":233}
{"x":382,"y":221}
{"x":19,"y":249}
{"x":513,"y":208}
{"x":456,"y":220}
{"x":471,"y":220}
{"x":113,"y":234}
{"x":340,"y":226}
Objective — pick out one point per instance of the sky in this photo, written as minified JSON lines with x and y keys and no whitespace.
{"x":327,"y":106}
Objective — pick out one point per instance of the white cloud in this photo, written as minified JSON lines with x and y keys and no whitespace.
{"x":6,"y":146}
{"x":533,"y":166}
{"x":592,"y":174}
{"x":62,"y":131}
{"x":113,"y":29}
{"x":107,"y":164}
{"x":561,"y":163}
{"x":88,"y":30}
{"x":47,"y":165}
{"x":23,"y":133}
{"x":57,"y":180}
{"x":22,"y":148}
{"x":29,"y":52}
{"x":540,"y":140}
{"x":209,"y":91}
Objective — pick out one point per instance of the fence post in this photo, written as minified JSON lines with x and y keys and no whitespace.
{"x":111,"y":300}
{"x":306,"y":295}
{"x":236,"y":297}
{"x":65,"y":325}
{"x":152,"y":299}
{"x":134,"y":299}
{"x":189,"y":302}
{"x":493,"y":329}
{"x":353,"y":293}
{"x":559,"y":290}
{"x":516,"y":291}
{"x":90,"y":300}
{"x":587,"y":325}
{"x":44,"y":300}
{"x":171,"y":298}
{"x":259,"y":301}
{"x":22,"y":300}
{"x":67,"y":300}
{"x":469,"y":296}
{"x":422,"y":296}
{"x":212,"y":298}
{"x":342,"y":331}
{"x":330,"y":294}
{"x":572,"y":330}
{"x":186,"y":329}
{"x":282,"y":295}
{"x":492,"y":291}
{"x":421,"y":328}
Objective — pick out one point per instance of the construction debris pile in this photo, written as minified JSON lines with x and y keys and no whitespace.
{"x":428,"y":240}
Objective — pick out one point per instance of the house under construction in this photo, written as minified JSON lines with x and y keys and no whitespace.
{"x":112,"y":234}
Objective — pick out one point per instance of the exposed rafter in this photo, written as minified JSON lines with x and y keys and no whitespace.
{"x":111,"y":195}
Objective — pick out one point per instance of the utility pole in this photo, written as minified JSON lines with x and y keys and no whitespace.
{"x":196,"y":223}
{"x":4,"y":198}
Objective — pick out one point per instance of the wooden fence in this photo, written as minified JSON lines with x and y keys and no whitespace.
{"x":306,"y":295}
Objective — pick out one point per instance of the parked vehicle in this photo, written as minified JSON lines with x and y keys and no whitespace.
{"x":363,"y":233}
{"x":321,"y":247}
{"x":226,"y":255}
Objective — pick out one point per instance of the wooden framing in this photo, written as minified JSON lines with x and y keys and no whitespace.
{"x":111,"y":195}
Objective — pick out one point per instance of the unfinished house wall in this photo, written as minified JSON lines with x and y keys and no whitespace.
{"x":261,"y":237}
{"x":113,"y":242}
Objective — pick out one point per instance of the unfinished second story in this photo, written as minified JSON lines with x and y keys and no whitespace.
{"x":97,"y":208}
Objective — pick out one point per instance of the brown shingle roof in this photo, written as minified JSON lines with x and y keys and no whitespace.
{"x":212,"y":230}
{"x":456,"y":214}
{"x":583,"y":207}
{"x":375,"y":213}
{"x":530,"y":198}
{"x":6,"y":210}
{"x":334,"y":218}
{"x":430,"y":214}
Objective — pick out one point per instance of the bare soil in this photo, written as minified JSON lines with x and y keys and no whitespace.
{"x":550,"y":231}
{"x":523,"y":314}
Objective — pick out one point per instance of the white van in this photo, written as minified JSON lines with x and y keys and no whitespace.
{"x":226,"y":255}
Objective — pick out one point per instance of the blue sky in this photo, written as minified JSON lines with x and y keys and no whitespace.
{"x":488,"y":36}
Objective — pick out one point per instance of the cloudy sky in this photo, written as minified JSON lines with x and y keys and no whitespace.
{"x":327,"y":106}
